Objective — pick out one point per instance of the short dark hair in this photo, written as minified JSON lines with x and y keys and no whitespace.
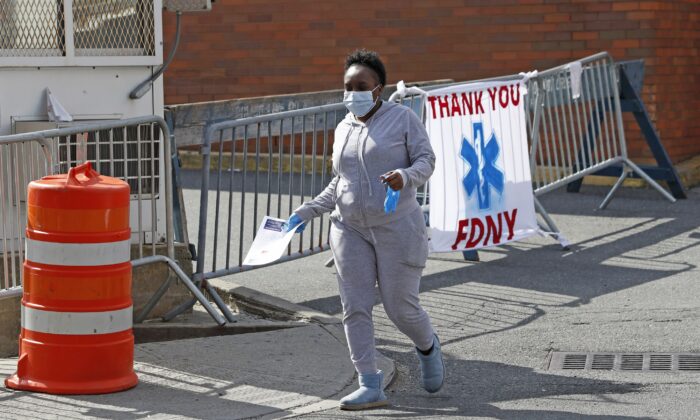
{"x":368,"y":59}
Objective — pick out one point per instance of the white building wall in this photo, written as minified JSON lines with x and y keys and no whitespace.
{"x":89,"y":87}
{"x":87,"y":93}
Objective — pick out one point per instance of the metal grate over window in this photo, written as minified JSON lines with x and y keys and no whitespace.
{"x":117,"y":153}
{"x":104,"y":28}
{"x":32,"y":28}
{"x":114,"y":27}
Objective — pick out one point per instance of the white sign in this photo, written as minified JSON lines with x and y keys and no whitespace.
{"x":270,"y":242}
{"x":481,"y":192}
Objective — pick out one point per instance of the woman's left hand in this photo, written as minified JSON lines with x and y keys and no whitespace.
{"x":392,"y":179}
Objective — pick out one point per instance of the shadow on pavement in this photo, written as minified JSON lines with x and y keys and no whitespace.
{"x":180,"y":403}
{"x":495,"y":383}
{"x":526,"y":279}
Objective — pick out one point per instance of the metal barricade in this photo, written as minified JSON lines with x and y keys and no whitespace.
{"x":576,"y":125}
{"x":129,"y":149}
{"x":275,"y":162}
{"x":257,"y":166}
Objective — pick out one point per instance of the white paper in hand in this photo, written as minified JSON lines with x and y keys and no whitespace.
{"x":270,"y":242}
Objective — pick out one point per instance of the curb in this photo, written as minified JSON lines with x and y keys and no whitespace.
{"x":258,"y":303}
{"x":170,"y":331}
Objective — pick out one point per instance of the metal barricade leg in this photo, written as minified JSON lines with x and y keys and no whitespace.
{"x":230,"y":317}
{"x":185,"y":280}
{"x":154,"y":299}
{"x":612,"y":191}
{"x":553,"y":229}
{"x":640,"y":172}
{"x":179,"y":309}
{"x":223,"y":307}
{"x":649,"y":180}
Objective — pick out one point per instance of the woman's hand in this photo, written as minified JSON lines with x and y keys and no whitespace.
{"x":393,"y":179}
{"x":293,"y":222}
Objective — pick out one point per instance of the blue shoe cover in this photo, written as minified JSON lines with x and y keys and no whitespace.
{"x":432,"y":367}
{"x":369,"y":395}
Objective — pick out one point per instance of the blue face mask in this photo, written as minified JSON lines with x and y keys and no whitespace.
{"x":359,"y":103}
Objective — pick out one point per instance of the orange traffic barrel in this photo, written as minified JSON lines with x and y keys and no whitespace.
{"x":76,"y":335}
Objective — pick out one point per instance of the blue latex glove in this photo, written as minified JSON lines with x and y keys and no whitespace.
{"x":391,"y":200}
{"x":294,"y":222}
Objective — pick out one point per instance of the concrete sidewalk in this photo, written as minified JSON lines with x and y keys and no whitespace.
{"x":236,"y":376}
{"x":291,"y":368}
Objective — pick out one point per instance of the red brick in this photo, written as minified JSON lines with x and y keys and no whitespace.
{"x":646,"y":15}
{"x":625,"y":5}
{"x":626,"y":43}
{"x":245,"y":48}
{"x":651,"y":5}
{"x":510,"y":55}
{"x":578,"y":36}
{"x":557,"y":17}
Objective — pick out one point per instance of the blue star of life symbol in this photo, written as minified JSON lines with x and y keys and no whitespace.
{"x":483,"y":174}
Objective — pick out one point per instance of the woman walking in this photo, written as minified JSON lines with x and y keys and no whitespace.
{"x":378,"y":145}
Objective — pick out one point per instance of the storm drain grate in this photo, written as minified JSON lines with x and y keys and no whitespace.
{"x":660,"y":362}
{"x":632,"y":362}
{"x":601,"y":361}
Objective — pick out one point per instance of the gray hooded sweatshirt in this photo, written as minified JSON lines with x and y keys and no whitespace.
{"x":394,"y":138}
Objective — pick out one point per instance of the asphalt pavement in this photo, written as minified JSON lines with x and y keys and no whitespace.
{"x":629,"y":283}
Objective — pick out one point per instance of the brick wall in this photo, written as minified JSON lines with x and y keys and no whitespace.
{"x":244,"y":48}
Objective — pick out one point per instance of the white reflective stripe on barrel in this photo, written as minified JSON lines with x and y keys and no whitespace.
{"x":67,"y":254}
{"x":77,"y":323}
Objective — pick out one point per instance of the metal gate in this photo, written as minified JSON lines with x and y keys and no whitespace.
{"x":252,"y":167}
{"x":128,"y":149}
{"x":133,"y":149}
{"x":577,"y":127}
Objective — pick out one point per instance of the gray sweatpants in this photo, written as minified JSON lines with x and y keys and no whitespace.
{"x":391,"y":256}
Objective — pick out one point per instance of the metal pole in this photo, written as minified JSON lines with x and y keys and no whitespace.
{"x":185,"y":280}
{"x":555,"y":232}
{"x":612,"y":191}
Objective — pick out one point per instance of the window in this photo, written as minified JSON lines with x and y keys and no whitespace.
{"x":113,"y":27}
{"x":32,"y":28}
{"x":96,"y":28}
